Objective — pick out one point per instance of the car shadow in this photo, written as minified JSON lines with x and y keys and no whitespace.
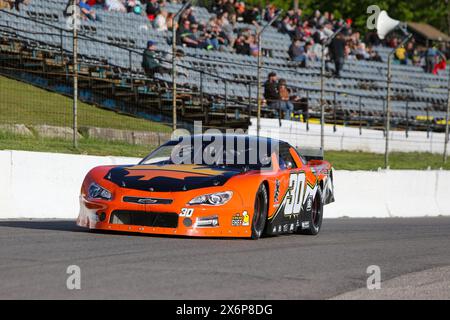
{"x":70,"y":226}
{"x":52,"y":225}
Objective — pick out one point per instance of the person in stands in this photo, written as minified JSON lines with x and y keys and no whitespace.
{"x":150,"y":61}
{"x":284,"y":104}
{"x":271,"y":91}
{"x":337,"y":53}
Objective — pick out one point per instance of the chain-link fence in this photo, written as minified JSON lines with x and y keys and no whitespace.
{"x":121,"y":98}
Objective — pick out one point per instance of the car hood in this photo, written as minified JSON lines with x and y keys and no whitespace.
{"x":170,"y":178}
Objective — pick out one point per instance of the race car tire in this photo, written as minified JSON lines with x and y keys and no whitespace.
{"x":260,"y":213}
{"x":316,"y":216}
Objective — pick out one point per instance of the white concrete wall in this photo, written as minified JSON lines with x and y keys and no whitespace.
{"x":47,"y":185}
{"x":390,"y":193}
{"x":348,"y":138}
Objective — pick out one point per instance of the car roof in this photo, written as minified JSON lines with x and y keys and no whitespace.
{"x":248,"y":138}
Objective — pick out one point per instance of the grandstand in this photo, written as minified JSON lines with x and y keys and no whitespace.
{"x":218,"y":87}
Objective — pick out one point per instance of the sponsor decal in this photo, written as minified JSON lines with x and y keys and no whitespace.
{"x":246,"y":220}
{"x":309,"y":203}
{"x":305,"y":224}
{"x":240,"y":219}
{"x":291,"y":228}
{"x":236,"y":220}
{"x":274,"y":230}
{"x":276,"y":197}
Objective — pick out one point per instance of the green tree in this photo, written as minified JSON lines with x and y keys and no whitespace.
{"x":434,"y":12}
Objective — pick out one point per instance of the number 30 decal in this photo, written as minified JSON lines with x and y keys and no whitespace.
{"x":296,"y":191}
{"x":186,"y":212}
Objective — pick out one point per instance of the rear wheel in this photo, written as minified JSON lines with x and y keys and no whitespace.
{"x":260,"y":212}
{"x":315,"y":217}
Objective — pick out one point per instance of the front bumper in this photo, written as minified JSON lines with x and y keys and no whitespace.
{"x":232,"y":220}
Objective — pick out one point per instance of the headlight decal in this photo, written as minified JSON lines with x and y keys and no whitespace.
{"x":212,"y":199}
{"x":97,"y":192}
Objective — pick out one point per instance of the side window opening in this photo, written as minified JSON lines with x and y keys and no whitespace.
{"x":285,"y":157}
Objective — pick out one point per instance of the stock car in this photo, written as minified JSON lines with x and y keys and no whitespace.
{"x":231,"y":186}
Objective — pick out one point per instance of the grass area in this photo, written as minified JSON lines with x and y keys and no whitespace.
{"x":86,"y":146}
{"x":29,"y":105}
{"x":398,"y":160}
{"x":340,"y":160}
{"x":26,"y":104}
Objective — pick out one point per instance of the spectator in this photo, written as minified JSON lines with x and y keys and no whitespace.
{"x":217,"y":37}
{"x":228,"y":7}
{"x":400,"y":55}
{"x":337,"y":53}
{"x":287,"y":27}
{"x":432,"y":54}
{"x":241,"y":46}
{"x":115,"y":5}
{"x":226,"y":27}
{"x":87,"y":11}
{"x":251,"y":15}
{"x":271,"y":11}
{"x":160,"y":22}
{"x":373,"y":55}
{"x":189,"y":15}
{"x":185,"y":35}
{"x":152,"y":9}
{"x":253,"y":46}
{"x":134,"y":6}
{"x":284,"y":104}
{"x":16,"y":3}
{"x":361,"y":52}
{"x":271,"y":91}
{"x":240,"y":9}
{"x":169,"y":21}
{"x":150,"y":62}
{"x":297,"y":52}
{"x":311,"y":54}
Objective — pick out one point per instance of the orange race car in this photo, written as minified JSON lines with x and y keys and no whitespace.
{"x":212,"y":186}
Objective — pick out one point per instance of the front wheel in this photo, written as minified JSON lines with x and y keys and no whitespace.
{"x":260,"y":212}
{"x":315,"y":217}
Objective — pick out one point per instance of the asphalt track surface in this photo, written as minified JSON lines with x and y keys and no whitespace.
{"x":413,"y":255}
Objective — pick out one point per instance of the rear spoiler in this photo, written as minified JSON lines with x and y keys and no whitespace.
{"x":311,"y":153}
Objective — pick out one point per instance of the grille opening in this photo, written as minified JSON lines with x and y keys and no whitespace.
{"x":145,"y":219}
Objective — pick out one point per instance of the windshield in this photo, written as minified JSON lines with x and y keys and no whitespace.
{"x":243,"y":153}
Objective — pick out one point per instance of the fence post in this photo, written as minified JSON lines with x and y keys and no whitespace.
{"x":384,"y":118}
{"x":407,"y":119}
{"x":446,"y":120}
{"x":130,"y":65}
{"x":428,"y":120}
{"x":249,"y":100}
{"x":258,"y":70}
{"x":61,"y":41}
{"x":175,"y":21}
{"x":322,"y":88}
{"x":360,"y":115}
{"x":226,"y":101}
{"x":201,"y":92}
{"x":334,"y":112}
{"x":307,"y":110}
{"x":75,"y":76}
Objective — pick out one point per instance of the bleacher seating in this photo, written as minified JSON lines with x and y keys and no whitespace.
{"x":361,"y":81}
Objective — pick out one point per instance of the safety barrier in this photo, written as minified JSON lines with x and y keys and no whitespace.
{"x":47,"y":185}
{"x":349,"y":138}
